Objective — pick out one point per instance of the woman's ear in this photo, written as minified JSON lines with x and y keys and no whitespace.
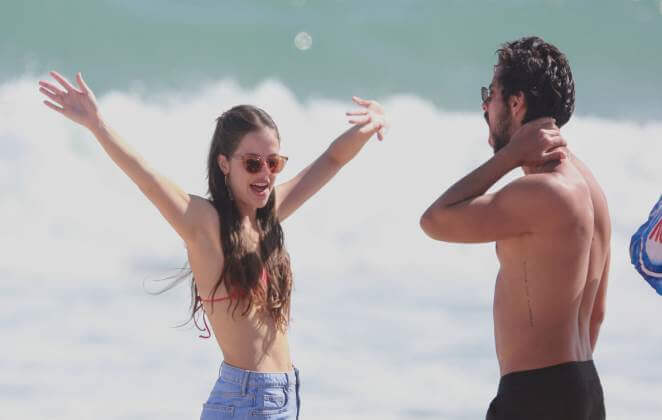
{"x":223,"y":163}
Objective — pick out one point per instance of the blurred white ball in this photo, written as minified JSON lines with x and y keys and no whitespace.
{"x":303,"y":41}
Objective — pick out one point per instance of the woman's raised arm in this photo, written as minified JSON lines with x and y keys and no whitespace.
{"x":368,"y":120}
{"x":189,"y":215}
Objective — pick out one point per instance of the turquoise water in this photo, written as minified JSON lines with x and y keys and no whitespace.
{"x":439,"y":50}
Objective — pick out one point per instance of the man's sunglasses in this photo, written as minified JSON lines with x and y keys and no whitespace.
{"x":485,"y":95}
{"x":253,"y":162}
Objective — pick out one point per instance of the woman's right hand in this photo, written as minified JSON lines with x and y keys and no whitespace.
{"x":77,"y":104}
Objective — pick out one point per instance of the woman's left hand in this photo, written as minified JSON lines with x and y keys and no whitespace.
{"x":369,"y":118}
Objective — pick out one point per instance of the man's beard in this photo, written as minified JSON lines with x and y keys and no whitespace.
{"x":501,"y":134}
{"x":500,"y":141}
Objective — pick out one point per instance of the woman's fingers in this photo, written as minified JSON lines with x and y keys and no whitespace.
{"x":380,"y":131}
{"x":51,"y":87}
{"x":63,"y":81}
{"x":54,"y":107}
{"x":360,"y":120}
{"x":360,"y":101}
{"x":357,"y":112}
{"x":52,"y":96}
{"x":81,"y":83}
{"x":45,"y":89}
{"x":373,"y":115}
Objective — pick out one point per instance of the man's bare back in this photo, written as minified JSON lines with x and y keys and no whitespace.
{"x":552,"y":232}
{"x":549,"y":297}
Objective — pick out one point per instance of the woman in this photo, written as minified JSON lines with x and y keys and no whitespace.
{"x":241,"y":270}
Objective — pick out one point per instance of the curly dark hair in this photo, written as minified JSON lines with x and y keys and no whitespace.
{"x":542,"y":73}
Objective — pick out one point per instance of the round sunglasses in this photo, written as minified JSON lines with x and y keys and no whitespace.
{"x":254,"y":162}
{"x":485,"y":95}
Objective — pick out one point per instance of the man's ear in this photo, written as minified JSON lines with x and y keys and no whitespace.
{"x":223,"y":163}
{"x":517,"y":104}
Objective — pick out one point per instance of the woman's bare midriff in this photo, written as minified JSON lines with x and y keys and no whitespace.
{"x":251,"y":341}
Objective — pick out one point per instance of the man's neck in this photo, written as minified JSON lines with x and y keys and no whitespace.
{"x":547,"y":166}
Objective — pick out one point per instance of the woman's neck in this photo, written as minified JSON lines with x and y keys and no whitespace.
{"x":247,"y":216}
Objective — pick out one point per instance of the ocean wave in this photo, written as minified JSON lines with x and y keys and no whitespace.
{"x":77,"y":233}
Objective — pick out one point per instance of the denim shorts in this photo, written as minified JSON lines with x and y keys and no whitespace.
{"x":243,"y":394}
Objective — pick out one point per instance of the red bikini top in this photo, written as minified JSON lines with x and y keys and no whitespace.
{"x":234,"y":295}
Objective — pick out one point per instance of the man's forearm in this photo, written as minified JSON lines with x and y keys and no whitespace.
{"x":477,"y":182}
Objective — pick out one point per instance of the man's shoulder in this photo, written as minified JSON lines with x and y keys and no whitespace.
{"x":548,"y":186}
{"x":550,"y":193}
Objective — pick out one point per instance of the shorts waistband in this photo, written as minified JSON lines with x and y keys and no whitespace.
{"x":251,"y":378}
{"x":584,"y":371}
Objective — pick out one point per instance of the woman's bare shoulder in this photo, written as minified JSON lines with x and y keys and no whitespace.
{"x":206,"y":216}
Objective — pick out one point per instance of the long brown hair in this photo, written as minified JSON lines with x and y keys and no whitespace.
{"x":242,"y":269}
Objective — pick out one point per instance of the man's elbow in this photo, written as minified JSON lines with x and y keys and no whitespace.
{"x":432,"y":226}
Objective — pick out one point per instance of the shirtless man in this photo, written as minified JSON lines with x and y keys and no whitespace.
{"x":552,"y":233}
